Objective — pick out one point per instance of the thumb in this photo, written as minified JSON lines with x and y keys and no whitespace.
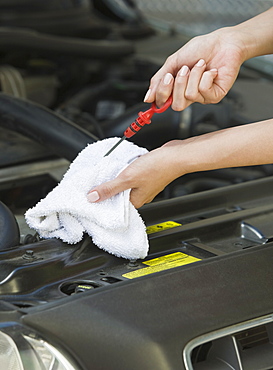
{"x":105,"y":191}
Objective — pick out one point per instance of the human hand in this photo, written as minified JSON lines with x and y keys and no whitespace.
{"x":147,"y":176}
{"x":152,"y":172}
{"x":203,"y":70}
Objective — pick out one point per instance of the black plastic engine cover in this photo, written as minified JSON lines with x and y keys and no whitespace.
{"x":145,"y":323}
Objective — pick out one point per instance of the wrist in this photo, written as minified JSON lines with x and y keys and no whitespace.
{"x":180,"y":159}
{"x":255,"y":36}
{"x":238,"y":40}
{"x":247,"y":42}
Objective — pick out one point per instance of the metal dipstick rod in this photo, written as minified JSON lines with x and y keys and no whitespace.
{"x":144,"y":118}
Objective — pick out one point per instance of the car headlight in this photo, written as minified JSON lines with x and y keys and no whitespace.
{"x":23,"y":349}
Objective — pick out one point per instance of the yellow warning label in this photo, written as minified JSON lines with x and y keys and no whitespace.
{"x":166,"y":262}
{"x":85,"y":286}
{"x":163,"y":226}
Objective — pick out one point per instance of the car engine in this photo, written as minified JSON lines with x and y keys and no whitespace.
{"x":74,"y":72}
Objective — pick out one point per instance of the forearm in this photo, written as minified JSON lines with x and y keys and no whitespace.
{"x":246,"y":145}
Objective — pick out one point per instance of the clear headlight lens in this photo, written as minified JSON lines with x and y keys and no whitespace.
{"x":9,"y":355}
{"x":22,"y":349}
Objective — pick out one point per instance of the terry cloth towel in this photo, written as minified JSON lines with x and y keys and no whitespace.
{"x":114,"y":224}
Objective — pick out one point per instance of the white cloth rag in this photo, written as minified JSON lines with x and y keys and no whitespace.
{"x":114,"y":224}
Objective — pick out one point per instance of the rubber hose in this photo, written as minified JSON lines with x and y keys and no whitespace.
{"x":9,"y":230}
{"x":74,"y":107}
{"x":61,"y":136}
{"x":86,"y":95}
{"x":21,"y":39}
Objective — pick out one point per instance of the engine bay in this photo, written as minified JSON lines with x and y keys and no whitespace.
{"x":55,"y":101}
{"x":71,"y":82}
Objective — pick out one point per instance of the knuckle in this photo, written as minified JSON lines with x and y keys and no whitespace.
{"x":149,"y":200}
{"x":161,"y":97}
{"x":203,"y":89}
{"x":215,"y":100}
{"x":162,"y":93}
{"x":154,"y":79}
{"x":178,"y":106}
{"x":191,"y":95}
{"x":127,"y":177}
{"x":135,"y":200}
{"x":212,"y":98}
{"x":106,"y":191}
{"x":136,"y":204}
{"x":169,"y":59}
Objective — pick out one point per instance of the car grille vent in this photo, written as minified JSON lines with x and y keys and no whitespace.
{"x":246,"y":346}
{"x":252,"y":338}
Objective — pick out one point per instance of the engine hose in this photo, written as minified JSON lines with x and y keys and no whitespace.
{"x":9,"y":230}
{"x":78,"y":106}
{"x":61,"y":136}
{"x":21,"y":39}
{"x":81,"y":100}
{"x":85,"y":96}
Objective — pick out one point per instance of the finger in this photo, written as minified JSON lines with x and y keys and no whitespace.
{"x":155,"y":81}
{"x":164,"y":89}
{"x":211,"y":91}
{"x":170,"y":66}
{"x":148,"y":98}
{"x":180,"y":84}
{"x":207,"y":87}
{"x":106,"y":190}
{"x":192,"y":91}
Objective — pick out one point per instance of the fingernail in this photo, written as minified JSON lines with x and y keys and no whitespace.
{"x":213,"y":70}
{"x":200,"y":63}
{"x":167,"y":79}
{"x":148,"y":93}
{"x":183,"y":71}
{"x":93,"y":196}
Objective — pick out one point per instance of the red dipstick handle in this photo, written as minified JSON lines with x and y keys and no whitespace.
{"x":144,"y":118}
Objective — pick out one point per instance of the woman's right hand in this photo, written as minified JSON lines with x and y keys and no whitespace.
{"x":203,"y":70}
